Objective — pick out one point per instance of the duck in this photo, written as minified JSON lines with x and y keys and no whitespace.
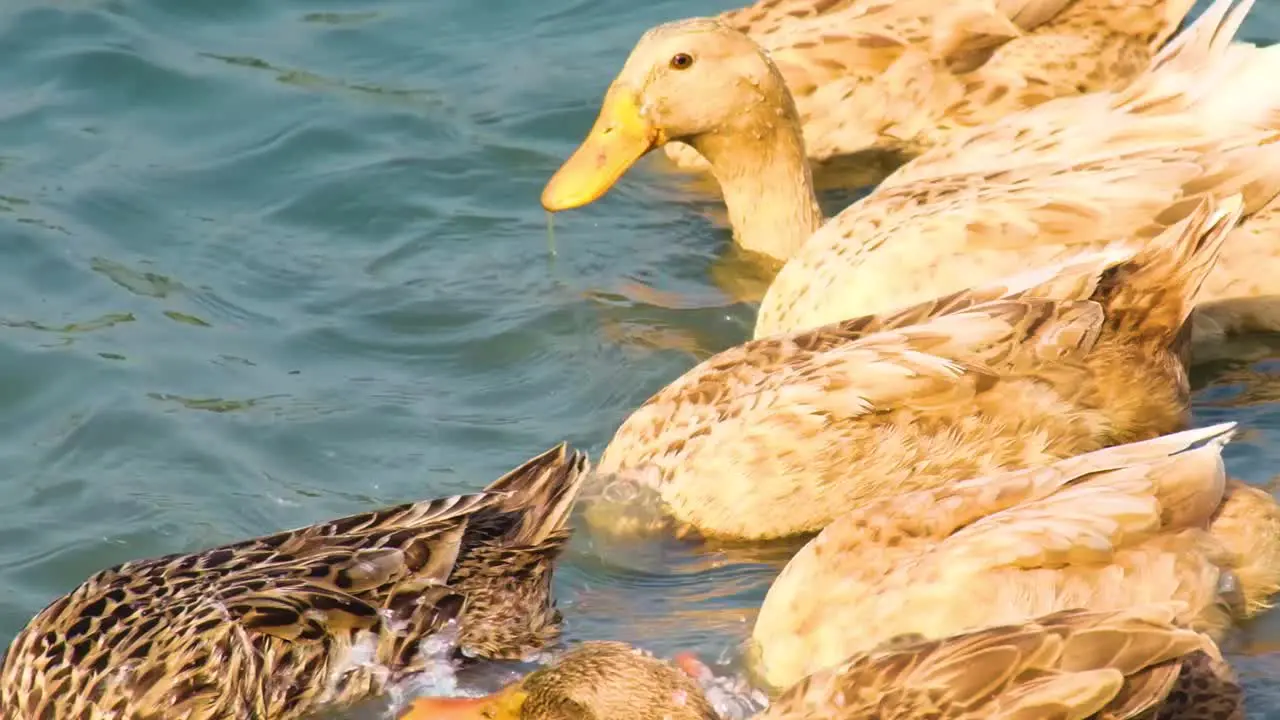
{"x":1021,"y":191}
{"x":1125,"y":525}
{"x":1132,"y":662}
{"x":889,"y":80}
{"x":778,"y":437}
{"x":320,"y":617}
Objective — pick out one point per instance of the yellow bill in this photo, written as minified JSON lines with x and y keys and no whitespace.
{"x":502,"y":705}
{"x":619,"y":138}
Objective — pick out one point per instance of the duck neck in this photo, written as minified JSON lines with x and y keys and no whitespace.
{"x":767,"y":184}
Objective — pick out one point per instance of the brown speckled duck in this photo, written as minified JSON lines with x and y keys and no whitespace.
{"x":322,"y":616}
{"x":1069,"y":665}
{"x":781,"y":435}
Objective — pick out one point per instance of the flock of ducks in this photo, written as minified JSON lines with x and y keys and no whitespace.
{"x":969,"y":388}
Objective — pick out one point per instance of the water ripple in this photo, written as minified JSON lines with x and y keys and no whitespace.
{"x":267,"y":263}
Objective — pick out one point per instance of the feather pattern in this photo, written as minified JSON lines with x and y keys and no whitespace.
{"x":1118,"y":527}
{"x":781,"y":435}
{"x":902,"y":76}
{"x":1066,"y":176}
{"x":1067,"y":172}
{"x":276,"y":626}
{"x":1069,"y":665}
{"x":1074,"y":664}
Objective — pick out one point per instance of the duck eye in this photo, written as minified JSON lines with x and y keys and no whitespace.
{"x":681,"y":61}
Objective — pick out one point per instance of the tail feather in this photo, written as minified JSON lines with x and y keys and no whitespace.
{"x":1153,"y":294}
{"x":1206,"y":38}
{"x":1030,"y":14}
{"x":542,"y":492}
{"x":968,"y":30}
{"x":1151,"y":451}
{"x":1074,"y":278}
{"x":1175,"y":20}
{"x":1228,"y":85}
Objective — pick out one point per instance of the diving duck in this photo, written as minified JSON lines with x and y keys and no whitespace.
{"x":780,"y":436}
{"x":1073,"y":664}
{"x":1026,"y":190}
{"x":895,"y":78}
{"x":319,"y":617}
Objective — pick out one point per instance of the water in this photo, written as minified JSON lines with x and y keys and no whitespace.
{"x":265,"y":262}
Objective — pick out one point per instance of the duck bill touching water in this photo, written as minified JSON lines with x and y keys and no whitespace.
{"x":290,"y":624}
{"x":1029,"y":189}
{"x":1120,"y":664}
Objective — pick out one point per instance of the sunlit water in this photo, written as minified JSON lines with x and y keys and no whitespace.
{"x":265,"y":262}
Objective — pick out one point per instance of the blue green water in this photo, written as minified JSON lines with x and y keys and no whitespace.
{"x":266,"y":262}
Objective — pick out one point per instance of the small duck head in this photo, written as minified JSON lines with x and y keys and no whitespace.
{"x":595,"y":681}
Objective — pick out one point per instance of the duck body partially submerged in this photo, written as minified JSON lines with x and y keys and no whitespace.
{"x":319,"y":617}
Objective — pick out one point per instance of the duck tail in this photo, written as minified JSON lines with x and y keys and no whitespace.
{"x":1205,"y":40}
{"x":1153,"y":450}
{"x":967,"y":33}
{"x":1175,"y":21}
{"x":1075,"y":278}
{"x":1229,"y":85}
{"x":1154,"y":293}
{"x":541,"y":494}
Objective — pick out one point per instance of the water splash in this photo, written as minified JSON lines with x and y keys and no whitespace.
{"x":439,"y":674}
{"x":362,"y":658}
{"x":731,"y":695}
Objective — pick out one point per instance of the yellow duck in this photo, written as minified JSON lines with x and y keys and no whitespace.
{"x":1026,"y":190}
{"x":898,"y":77}
{"x":1069,"y":665}
{"x":1127,"y":525}
{"x":285,"y":625}
{"x":780,"y":436}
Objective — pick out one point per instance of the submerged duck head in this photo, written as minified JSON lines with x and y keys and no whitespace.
{"x":596,"y":681}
